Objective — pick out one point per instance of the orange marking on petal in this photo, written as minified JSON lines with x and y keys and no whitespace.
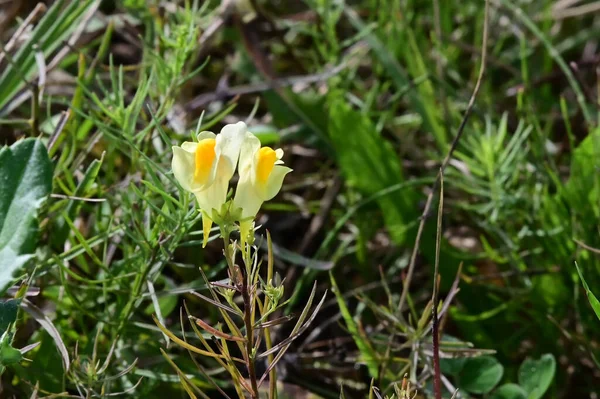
{"x":266,"y":162}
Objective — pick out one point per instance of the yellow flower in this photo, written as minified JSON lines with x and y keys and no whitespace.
{"x":261,"y":176}
{"x":205,"y":168}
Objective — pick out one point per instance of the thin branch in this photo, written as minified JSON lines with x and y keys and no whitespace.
{"x":72,"y":197}
{"x":62,"y":122}
{"x":585,"y":246}
{"x":570,"y":12}
{"x":461,"y":128}
{"x":249,"y":336}
{"x":222,"y":15}
{"x":437,"y":386}
{"x":42,"y":72}
{"x":79,"y":30}
{"x":512,"y":273}
{"x":34,"y":15}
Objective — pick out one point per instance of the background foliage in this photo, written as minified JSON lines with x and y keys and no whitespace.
{"x":365,"y":97}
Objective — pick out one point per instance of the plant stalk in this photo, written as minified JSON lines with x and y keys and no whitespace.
{"x":249,"y":337}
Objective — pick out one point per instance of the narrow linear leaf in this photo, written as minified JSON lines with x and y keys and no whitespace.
{"x":184,"y":344}
{"x":47,"y":324}
{"x":590,"y":295}
{"x":298,"y":329}
{"x":205,"y":326}
{"x":367,"y":352}
{"x":187,"y":385}
{"x":62,"y":228}
{"x":297,"y":333}
{"x":57,"y":24}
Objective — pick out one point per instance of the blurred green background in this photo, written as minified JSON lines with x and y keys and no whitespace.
{"x":366,"y":98}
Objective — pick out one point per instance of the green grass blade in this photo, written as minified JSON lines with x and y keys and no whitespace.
{"x":590,"y":295}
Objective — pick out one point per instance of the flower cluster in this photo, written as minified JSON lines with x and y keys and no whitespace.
{"x":206,"y":167}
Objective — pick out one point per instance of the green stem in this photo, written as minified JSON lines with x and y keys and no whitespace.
{"x":35,"y":111}
{"x":137,"y":288}
{"x":249,"y":337}
{"x":226,"y":249}
{"x":245,"y":290}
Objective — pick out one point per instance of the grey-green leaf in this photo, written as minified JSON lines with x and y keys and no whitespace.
{"x":509,"y":391}
{"x":535,"y":376}
{"x":480,"y":375}
{"x":25,"y":182}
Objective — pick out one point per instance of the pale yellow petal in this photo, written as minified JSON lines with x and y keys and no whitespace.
{"x":202,"y":175}
{"x":213,"y":196}
{"x":247,"y":198}
{"x":205,"y":135}
{"x":261,"y":175}
{"x":206,"y":226}
{"x":183,"y":166}
{"x":189,"y":146}
{"x":229,"y":143}
{"x":275,"y":181}
{"x":248,"y":153}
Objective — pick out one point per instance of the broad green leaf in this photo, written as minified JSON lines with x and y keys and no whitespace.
{"x":509,"y":391}
{"x":38,"y":315}
{"x":535,"y":376}
{"x":452,"y":366}
{"x":590,"y":295}
{"x":582,"y":185}
{"x":8,"y":313}
{"x":25,"y":182}
{"x":369,"y":163}
{"x":480,"y":374}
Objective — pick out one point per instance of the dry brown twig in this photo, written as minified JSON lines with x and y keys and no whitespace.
{"x":446,"y":160}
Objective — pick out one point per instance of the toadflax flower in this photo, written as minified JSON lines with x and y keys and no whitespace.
{"x":261,"y":176}
{"x":205,"y":168}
